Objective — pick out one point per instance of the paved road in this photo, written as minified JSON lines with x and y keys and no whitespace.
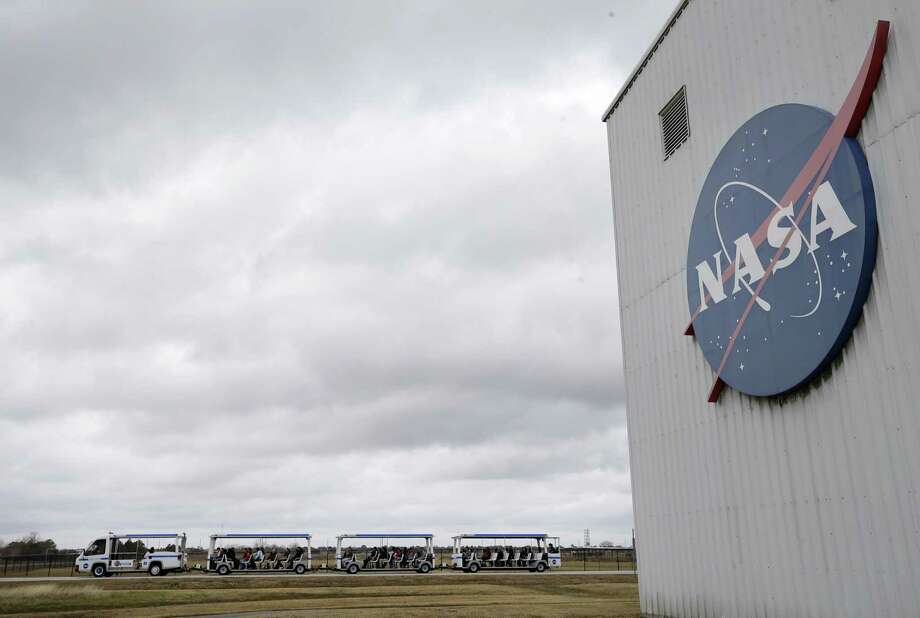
{"x":437,"y":573}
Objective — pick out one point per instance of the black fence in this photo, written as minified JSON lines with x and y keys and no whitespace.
{"x":51,"y":563}
{"x":599,"y":558}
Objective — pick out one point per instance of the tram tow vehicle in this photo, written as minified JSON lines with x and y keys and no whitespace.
{"x":386,"y":551}
{"x":268,"y":553}
{"x":133,"y":553}
{"x":501,"y":551}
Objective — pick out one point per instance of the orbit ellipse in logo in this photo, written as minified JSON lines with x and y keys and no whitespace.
{"x":774,"y":290}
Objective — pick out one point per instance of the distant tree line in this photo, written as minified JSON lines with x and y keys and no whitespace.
{"x":29,"y":545}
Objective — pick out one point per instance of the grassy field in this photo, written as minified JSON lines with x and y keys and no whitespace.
{"x":458,"y":595}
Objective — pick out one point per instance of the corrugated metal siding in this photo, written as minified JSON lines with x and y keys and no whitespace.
{"x":803,"y":506}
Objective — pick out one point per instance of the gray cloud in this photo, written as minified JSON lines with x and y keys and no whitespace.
{"x":337,"y":254}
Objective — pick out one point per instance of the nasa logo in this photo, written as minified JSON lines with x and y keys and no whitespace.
{"x":783,"y":242}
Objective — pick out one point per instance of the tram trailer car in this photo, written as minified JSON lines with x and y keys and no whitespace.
{"x":383,"y":556}
{"x":110,"y":554}
{"x":297,"y":558}
{"x":504,"y":552}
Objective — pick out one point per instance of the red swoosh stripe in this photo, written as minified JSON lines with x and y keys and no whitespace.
{"x":846,"y":124}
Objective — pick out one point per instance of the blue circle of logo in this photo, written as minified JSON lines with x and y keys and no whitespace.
{"x":768,"y":330}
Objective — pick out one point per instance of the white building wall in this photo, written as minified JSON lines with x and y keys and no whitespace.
{"x":807,"y":505}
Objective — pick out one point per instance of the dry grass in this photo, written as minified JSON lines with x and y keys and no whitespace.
{"x":461,"y":595}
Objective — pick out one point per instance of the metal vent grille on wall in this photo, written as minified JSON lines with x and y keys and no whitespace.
{"x":675,"y":123}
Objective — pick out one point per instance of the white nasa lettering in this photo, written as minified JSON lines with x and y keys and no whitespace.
{"x":776,"y":235}
{"x":747,"y":263}
{"x":711,"y":282}
{"x":746,"y":253}
{"x":835,"y":217}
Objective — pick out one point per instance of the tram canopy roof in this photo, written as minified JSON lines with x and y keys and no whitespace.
{"x":149,"y":535}
{"x":502,"y":535}
{"x":263,"y":535}
{"x":387,"y":535}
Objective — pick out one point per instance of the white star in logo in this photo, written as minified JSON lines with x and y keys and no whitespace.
{"x":741,"y":367}
{"x":843,"y":255}
{"x":764,"y":131}
{"x":838,"y":295}
{"x":732,"y":199}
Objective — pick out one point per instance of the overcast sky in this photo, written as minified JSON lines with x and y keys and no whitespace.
{"x":326,"y":266}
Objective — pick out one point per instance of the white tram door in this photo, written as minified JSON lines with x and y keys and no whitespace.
{"x":122,"y":556}
{"x":554,"y":553}
{"x":456,"y":557}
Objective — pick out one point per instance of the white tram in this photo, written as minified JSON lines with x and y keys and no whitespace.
{"x":260,"y":553}
{"x":505,"y":550}
{"x":385,"y":551}
{"x":134,"y":553}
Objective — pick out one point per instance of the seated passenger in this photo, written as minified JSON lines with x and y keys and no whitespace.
{"x":371,"y":557}
{"x":258,"y":557}
{"x":245,"y":559}
{"x":395,"y":557}
{"x":282,"y":558}
{"x":269,"y":560}
{"x":215,"y":557}
{"x":487,"y":554}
